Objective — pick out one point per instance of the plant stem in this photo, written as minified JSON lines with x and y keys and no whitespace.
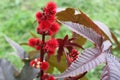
{"x":42,"y":55}
{"x":68,"y":58}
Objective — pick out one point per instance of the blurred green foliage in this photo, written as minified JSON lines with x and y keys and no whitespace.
{"x":17,"y":20}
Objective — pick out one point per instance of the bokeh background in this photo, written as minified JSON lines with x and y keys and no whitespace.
{"x":17,"y":18}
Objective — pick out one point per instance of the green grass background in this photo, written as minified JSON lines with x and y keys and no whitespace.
{"x":17,"y":17}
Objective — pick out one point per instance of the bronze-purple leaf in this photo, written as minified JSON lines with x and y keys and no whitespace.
{"x":7,"y":70}
{"x":87,"y":60}
{"x":66,"y":43}
{"x":112,"y":68}
{"x":27,"y":72}
{"x":84,"y":31}
{"x":20,"y":52}
{"x":105,"y":29}
{"x":72,"y":15}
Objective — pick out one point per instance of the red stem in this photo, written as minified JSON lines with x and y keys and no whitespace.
{"x":42,"y":55}
{"x":68,"y":58}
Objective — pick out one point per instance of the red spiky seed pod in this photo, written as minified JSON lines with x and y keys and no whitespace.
{"x":44,"y":65}
{"x":38,"y":47}
{"x":47,"y":77}
{"x":51,"y":78}
{"x":32,"y":63}
{"x":35,"y":63}
{"x":50,"y":8}
{"x":54,"y":28}
{"x":32,"y":42}
{"x":51,"y":46}
{"x":38,"y":16}
{"x":74,"y":54}
{"x":35,"y":42}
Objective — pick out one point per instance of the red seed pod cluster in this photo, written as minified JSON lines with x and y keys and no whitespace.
{"x":35,"y":42}
{"x":46,"y":20}
{"x":44,"y":65}
{"x":73,"y":55}
{"x":51,"y":46}
{"x":47,"y":77}
{"x":47,"y":26}
{"x":50,"y":8}
{"x":36,"y":63}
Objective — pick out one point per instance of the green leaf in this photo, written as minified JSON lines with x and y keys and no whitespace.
{"x":84,"y":78}
{"x":54,"y":63}
{"x":34,"y":54}
{"x":33,"y":35}
{"x":23,"y":43}
{"x":79,"y":39}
